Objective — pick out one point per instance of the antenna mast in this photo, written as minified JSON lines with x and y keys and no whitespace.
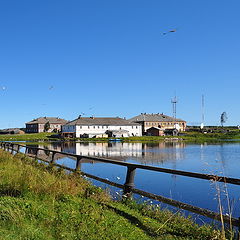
{"x":203,"y":116}
{"x":174,"y":104}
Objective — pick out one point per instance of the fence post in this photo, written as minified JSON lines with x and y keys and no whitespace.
{"x":12,"y":148}
{"x":129,"y":184}
{"x":36,"y":155}
{"x":18,"y":149}
{"x":52,"y":160}
{"x":238,"y":230}
{"x":26,"y":149}
{"x":78,"y":164}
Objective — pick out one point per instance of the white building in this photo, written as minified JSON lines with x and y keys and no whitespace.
{"x":101,"y":127}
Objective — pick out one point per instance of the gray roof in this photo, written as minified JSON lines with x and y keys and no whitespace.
{"x":106,"y":121}
{"x":145,"y":117}
{"x":51,"y":120}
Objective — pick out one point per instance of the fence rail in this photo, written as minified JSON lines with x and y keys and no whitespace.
{"x":128,"y":186}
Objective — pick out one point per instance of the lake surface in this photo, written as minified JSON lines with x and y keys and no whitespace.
{"x":220,"y":159}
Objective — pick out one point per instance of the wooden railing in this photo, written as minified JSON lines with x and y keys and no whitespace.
{"x":128,"y":186}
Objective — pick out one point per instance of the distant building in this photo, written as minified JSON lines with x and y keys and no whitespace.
{"x":38,"y":125}
{"x":100,"y":127}
{"x":155,"y":131}
{"x":158,"y":120}
{"x":12,"y":131}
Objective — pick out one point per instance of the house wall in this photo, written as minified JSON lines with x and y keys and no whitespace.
{"x":101,"y":129}
{"x":68,"y":129}
{"x":52,"y":127}
{"x":155,"y":132}
{"x":31,"y":128}
{"x":165,"y":125}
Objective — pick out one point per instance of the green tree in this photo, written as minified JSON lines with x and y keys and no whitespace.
{"x":46,"y":127}
{"x":223,"y":118}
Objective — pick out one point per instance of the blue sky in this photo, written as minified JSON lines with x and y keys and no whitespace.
{"x":109,"y":58}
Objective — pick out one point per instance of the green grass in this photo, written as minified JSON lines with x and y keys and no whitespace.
{"x":38,"y":202}
{"x":196,"y":137}
{"x":199,"y":137}
{"x":28,"y":137}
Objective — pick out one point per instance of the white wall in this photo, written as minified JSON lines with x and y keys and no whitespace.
{"x":79,"y":130}
{"x":97,"y":129}
{"x":69,"y":128}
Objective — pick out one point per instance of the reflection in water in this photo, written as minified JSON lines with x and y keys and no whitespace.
{"x":145,"y":153}
{"x":219,"y":159}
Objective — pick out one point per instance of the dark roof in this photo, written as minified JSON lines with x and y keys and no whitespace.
{"x":101,"y":121}
{"x":51,"y":120}
{"x":145,"y":117}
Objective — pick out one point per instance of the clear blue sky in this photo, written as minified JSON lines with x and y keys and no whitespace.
{"x":109,"y":58}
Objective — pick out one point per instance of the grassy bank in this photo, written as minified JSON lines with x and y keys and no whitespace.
{"x":196,"y":137}
{"x":28,"y":137}
{"x":37,"y":202}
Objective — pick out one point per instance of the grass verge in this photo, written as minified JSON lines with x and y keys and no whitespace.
{"x":192,"y":137}
{"x":38,"y":202}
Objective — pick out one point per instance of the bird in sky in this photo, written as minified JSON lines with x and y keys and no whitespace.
{"x":50,"y":88}
{"x":170,"y":31}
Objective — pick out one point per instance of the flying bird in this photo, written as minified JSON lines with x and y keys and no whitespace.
{"x":170,"y":31}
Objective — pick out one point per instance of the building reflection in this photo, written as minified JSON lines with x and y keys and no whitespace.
{"x":144,"y":153}
{"x":45,"y":151}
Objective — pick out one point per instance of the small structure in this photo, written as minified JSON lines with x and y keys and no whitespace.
{"x":158,"y":120}
{"x":171,"y":132}
{"x":11,"y":131}
{"x":155,"y":131}
{"x":94,"y":135}
{"x":45,"y":124}
{"x":100,"y":127}
{"x":118,"y":133}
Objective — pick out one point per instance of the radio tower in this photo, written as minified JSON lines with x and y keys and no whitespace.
{"x":203,"y":115}
{"x":174,"y":104}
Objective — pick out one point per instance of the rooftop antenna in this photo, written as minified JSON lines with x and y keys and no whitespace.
{"x":203,"y":116}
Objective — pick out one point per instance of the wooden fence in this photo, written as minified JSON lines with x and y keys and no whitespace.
{"x":128,"y":186}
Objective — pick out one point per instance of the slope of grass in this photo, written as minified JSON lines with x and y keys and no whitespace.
{"x":38,"y":202}
{"x":28,"y":137}
{"x":197,"y":137}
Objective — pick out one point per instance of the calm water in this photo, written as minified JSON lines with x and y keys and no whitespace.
{"x":220,"y":159}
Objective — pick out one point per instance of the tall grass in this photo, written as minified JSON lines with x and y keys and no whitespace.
{"x":38,"y":202}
